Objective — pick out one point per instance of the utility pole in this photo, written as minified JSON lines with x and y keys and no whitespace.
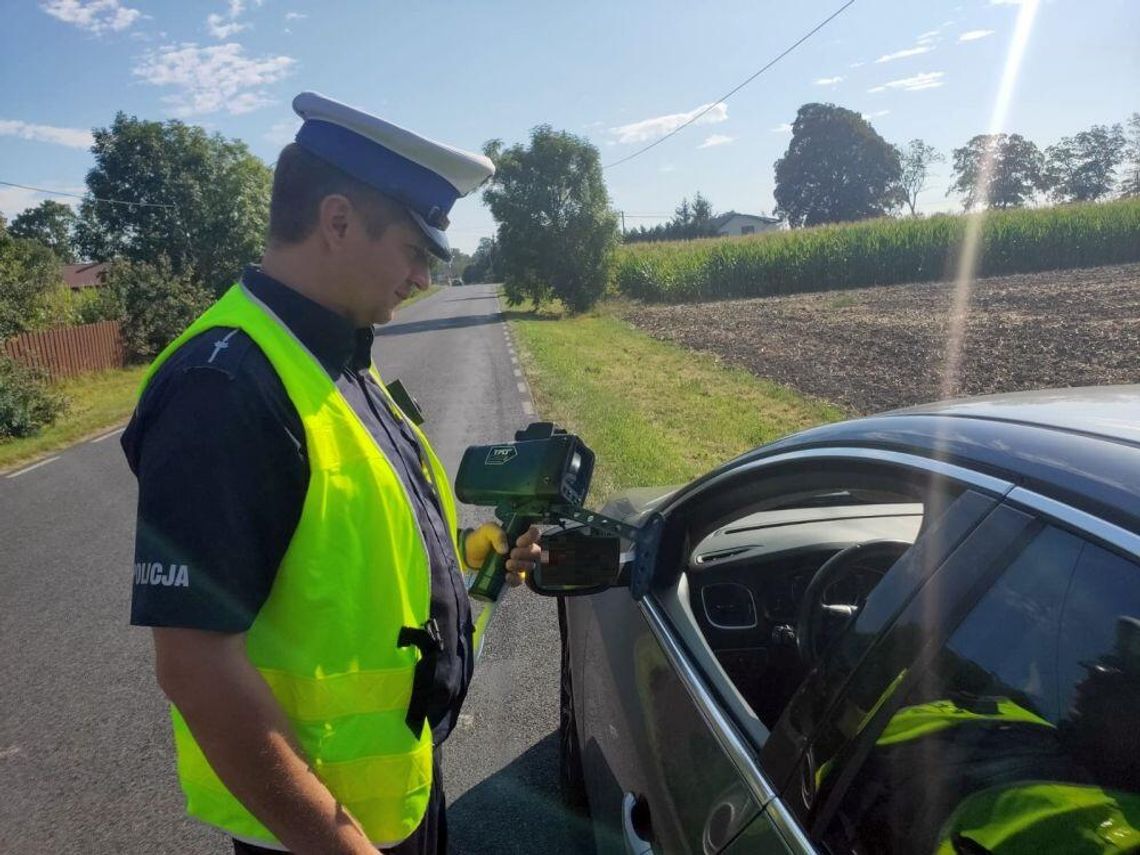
{"x":622,"y":223}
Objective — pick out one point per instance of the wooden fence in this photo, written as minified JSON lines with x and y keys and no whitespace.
{"x":67,"y":351}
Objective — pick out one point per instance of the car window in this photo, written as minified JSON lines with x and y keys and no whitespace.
{"x":748,"y":577}
{"x":748,"y":580}
{"x":1014,"y":735}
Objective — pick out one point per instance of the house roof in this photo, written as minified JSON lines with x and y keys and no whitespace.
{"x":719,"y":221}
{"x":86,"y":275}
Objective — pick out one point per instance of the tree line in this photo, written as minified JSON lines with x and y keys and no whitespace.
{"x":837,"y":168}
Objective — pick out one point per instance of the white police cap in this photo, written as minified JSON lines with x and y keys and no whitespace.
{"x":425,"y":176}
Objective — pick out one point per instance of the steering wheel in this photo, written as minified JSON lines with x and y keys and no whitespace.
{"x":874,"y":556}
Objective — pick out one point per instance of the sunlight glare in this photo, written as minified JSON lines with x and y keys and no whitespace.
{"x":971,"y":243}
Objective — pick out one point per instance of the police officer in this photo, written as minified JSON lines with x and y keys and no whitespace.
{"x":297,"y":553}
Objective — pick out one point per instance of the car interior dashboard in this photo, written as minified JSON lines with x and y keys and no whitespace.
{"x":747,"y":579}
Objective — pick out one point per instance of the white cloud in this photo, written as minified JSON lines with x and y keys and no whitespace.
{"x":716,"y":139}
{"x":223,"y":26}
{"x":669,"y":168}
{"x":784,"y":128}
{"x":648,"y":129}
{"x":828,"y":81}
{"x":901,"y":54}
{"x":926,"y":80}
{"x":220,"y":29}
{"x":209,"y":79}
{"x":295,"y":16}
{"x":875,"y":115}
{"x":928,"y":36}
{"x":95,"y":16}
{"x":856,"y":65}
{"x":974,"y":35}
{"x":282,"y":133}
{"x":70,"y":137}
{"x":1008,"y":2}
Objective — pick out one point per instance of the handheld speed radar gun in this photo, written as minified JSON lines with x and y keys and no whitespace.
{"x":538,"y":477}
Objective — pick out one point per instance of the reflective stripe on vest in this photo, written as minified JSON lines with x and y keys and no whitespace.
{"x":356,"y":571}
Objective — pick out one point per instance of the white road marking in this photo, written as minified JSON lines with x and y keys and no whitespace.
{"x":522,"y":388}
{"x":518,"y":372}
{"x":528,"y":408}
{"x":33,"y":466}
{"x":466,"y":720}
{"x":111,"y":434}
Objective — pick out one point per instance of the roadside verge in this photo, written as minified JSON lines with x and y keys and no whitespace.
{"x":653,"y":412}
{"x":97,"y":403}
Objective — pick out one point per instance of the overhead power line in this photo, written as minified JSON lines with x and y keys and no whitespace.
{"x":736,"y":89}
{"x":88,"y":198}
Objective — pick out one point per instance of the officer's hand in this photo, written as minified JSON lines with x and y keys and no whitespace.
{"x":478,"y":543}
{"x":524,"y":557}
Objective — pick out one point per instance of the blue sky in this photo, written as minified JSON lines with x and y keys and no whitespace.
{"x":618,"y":73}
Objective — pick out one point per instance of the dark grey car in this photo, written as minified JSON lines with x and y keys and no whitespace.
{"x":917,"y":632}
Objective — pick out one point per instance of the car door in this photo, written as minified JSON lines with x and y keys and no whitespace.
{"x":670,"y":765}
{"x":659,"y":756}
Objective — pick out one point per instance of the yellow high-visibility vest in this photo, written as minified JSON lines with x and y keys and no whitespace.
{"x":356,"y":571}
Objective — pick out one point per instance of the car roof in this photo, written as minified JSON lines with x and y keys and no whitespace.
{"x":1079,"y":446}
{"x":1112,"y":412}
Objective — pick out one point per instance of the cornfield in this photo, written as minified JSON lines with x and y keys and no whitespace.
{"x":878,"y":252}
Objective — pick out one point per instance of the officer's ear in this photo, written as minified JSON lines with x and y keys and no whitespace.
{"x":333,"y":219}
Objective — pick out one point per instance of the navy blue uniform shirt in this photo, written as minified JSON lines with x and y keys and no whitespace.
{"x":219,"y":453}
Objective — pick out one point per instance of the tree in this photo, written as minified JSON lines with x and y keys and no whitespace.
{"x":556,"y":230}
{"x":691,"y":220}
{"x":916,"y":160}
{"x":836,"y":168}
{"x":1015,"y":171}
{"x":217,"y":191}
{"x":51,"y":223}
{"x":702,"y":216}
{"x":158,"y":303}
{"x":1130,"y":184}
{"x":445,"y":271}
{"x":1082,"y":168}
{"x":482,"y":266}
{"x":30,"y":285}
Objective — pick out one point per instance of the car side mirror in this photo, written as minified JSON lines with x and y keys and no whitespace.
{"x":575,"y":564}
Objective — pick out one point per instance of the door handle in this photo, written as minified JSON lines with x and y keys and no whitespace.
{"x":635,"y":844}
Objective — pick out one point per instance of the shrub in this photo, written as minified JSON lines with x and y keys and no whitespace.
{"x":157,"y":304}
{"x":27,"y":402}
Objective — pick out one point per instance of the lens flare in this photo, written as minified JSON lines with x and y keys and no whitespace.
{"x":971,"y":243}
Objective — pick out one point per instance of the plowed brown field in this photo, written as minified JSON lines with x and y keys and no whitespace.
{"x":874,"y":349}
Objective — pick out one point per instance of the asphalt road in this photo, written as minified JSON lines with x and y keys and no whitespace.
{"x":86,"y":763}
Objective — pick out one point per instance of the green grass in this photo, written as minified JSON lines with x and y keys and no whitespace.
{"x":97,"y":402}
{"x":419,"y":295}
{"x":654,"y":413}
{"x":878,"y":252}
